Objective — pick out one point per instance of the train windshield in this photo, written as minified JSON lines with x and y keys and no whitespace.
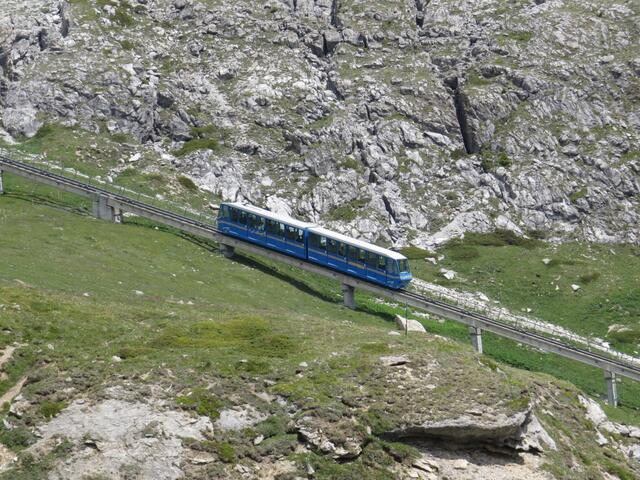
{"x":404,"y":266}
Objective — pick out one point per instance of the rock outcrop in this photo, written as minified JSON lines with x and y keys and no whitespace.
{"x":409,"y":123}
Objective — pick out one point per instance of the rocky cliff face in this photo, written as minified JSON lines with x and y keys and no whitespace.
{"x":404,"y":121}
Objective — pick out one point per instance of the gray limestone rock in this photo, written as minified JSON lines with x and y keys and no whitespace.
{"x":440,"y":120}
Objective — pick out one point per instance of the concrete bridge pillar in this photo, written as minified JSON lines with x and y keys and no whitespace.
{"x":102,"y":210}
{"x":1,"y":184}
{"x":476,"y":338}
{"x":227,"y":250}
{"x":349,"y":294}
{"x":612,"y":388}
{"x":118,"y":215}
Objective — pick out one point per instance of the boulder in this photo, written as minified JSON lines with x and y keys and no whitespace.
{"x":409,"y":325}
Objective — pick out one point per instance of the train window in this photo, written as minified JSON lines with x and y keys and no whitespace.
{"x":353,"y":254}
{"x":300,"y":236}
{"x":392,"y":267}
{"x":404,"y":265}
{"x":314,"y":241}
{"x":252,"y":221}
{"x":281,"y":230}
{"x":372,"y":260}
{"x":243,"y":217}
{"x":234,"y":215}
{"x":342,"y":249}
{"x":382,"y":263}
{"x":332,"y":247}
{"x":291,"y":233}
{"x":362,"y":256}
{"x":323,"y":243}
{"x":224,"y":212}
{"x":272,"y":227}
{"x":257,"y":223}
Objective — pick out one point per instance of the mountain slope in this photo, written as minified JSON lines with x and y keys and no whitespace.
{"x":211,"y":368}
{"x":392,"y":120}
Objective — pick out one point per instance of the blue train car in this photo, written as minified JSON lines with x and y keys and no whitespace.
{"x":358,"y":258}
{"x":316,"y":244}
{"x":264,"y":228}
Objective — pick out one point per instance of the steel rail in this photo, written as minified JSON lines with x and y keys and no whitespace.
{"x":436,"y":307}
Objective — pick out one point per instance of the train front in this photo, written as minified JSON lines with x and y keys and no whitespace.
{"x":405,"y":273}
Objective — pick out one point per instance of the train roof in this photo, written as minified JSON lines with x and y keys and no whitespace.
{"x":357,"y":243}
{"x":273,"y":216}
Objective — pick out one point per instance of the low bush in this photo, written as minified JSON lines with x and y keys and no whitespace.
{"x":187,"y":183}
{"x":462,"y":252}
{"x":498,"y":238}
{"x":197,"y":144}
{"x":589,"y":277}
{"x":415,"y":253}
{"x":51,"y":409}
{"x":202,"y":402}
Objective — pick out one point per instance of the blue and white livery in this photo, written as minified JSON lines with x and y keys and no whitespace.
{"x":315,"y":244}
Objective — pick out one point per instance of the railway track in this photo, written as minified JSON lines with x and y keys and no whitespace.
{"x":611,"y":365}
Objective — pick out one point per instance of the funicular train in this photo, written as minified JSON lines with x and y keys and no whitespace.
{"x":315,"y":244}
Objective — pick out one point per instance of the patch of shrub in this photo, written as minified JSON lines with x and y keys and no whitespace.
{"x":205,"y":131}
{"x":348,"y":211}
{"x":274,"y":346}
{"x":187,"y":183}
{"x":197,"y":144}
{"x":524,"y":36}
{"x":17,"y":438}
{"x":44,"y":131}
{"x":202,"y":402}
{"x":272,"y":426}
{"x":519,"y":404}
{"x":556,"y":262}
{"x":491,"y":160}
{"x":401,"y":452}
{"x":132,"y":352}
{"x":122,"y":16}
{"x":351,"y":164}
{"x":226,"y":452}
{"x":120,"y":138}
{"x":630,"y":155}
{"x":577,"y":195}
{"x":631,"y":336}
{"x":498,"y":238}
{"x":474,"y":79}
{"x":328,"y":469}
{"x":249,"y":335}
{"x":415,"y":253}
{"x":487,"y":164}
{"x":504,"y":160}
{"x":127,"y":45}
{"x":615,"y":469}
{"x":537,"y":234}
{"x":278,"y":445}
{"x":374,"y":455}
{"x":462,"y":252}
{"x":589,"y":277}
{"x":377,"y":420}
{"x":51,"y":409}
{"x":488,"y":362}
{"x":376,"y":348}
{"x":458,"y":153}
{"x":258,"y":367}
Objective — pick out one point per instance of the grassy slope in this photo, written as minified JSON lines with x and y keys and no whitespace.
{"x":72,"y":298}
{"x":516,"y":276}
{"x":69,"y":292}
